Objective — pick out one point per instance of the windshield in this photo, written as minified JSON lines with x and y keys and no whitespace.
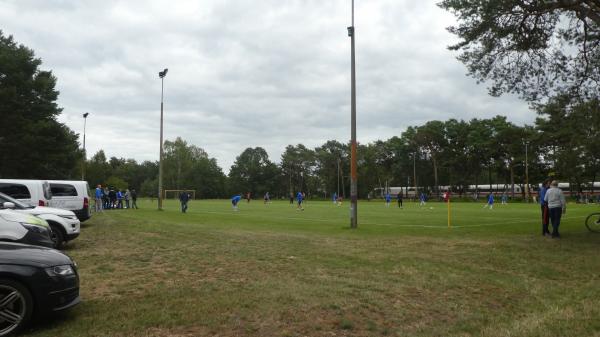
{"x":18,"y":204}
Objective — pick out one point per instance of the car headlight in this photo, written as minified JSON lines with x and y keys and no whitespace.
{"x":65,"y":270}
{"x":70,"y":217}
{"x":34,"y":228}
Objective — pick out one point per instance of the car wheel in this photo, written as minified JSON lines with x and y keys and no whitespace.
{"x":16,"y":306}
{"x":57,"y":237}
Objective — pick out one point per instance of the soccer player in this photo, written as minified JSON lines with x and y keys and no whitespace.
{"x":334,"y":198}
{"x":399,"y":197}
{"x":267,"y":198}
{"x":490,"y":201}
{"x":422,"y":199}
{"x":235,"y":200}
{"x":299,"y":198}
{"x":504,"y":198}
{"x":388,"y":200}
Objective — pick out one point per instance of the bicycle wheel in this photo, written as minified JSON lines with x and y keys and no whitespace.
{"x":592,"y":222}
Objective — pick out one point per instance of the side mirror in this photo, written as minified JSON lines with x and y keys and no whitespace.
{"x":9,"y":205}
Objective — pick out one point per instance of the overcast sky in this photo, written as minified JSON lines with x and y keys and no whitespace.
{"x":247,"y":73}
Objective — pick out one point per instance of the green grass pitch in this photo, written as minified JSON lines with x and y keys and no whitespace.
{"x":270,"y":270}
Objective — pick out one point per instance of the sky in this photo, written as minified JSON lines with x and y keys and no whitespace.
{"x":248,"y":73}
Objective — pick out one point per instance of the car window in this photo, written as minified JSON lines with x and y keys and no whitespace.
{"x":17,"y":191}
{"x":18,"y":204}
{"x":63,"y":190}
{"x":47,"y":191}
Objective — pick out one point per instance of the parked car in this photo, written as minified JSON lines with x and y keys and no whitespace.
{"x":71,"y":195}
{"x":34,"y":282}
{"x":64,"y":224}
{"x":24,"y":228}
{"x":31,"y":192}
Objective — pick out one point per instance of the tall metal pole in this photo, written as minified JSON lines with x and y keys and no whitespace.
{"x":338,"y":177}
{"x":526,"y":172}
{"x":162,"y":75}
{"x":84,"y":153}
{"x":353,"y":174}
{"x":415,"y":172}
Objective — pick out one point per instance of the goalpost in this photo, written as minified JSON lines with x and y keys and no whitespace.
{"x":174,"y":194}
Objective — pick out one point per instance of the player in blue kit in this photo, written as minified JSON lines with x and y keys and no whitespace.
{"x":299,"y":198}
{"x":490,"y":201}
{"x":235,"y":200}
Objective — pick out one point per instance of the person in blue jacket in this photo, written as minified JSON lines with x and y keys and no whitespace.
{"x":544,"y":207}
{"x":235,"y":200}
{"x":490,"y":201}
{"x":388,"y":199}
{"x":299,"y":198}
{"x":334,"y":198}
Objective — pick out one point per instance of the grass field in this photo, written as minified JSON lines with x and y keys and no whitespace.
{"x":269,"y":270}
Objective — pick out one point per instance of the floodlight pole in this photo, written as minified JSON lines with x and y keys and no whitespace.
{"x":162,"y":75}
{"x":353,"y":174}
{"x":84,"y":153}
{"x":526,"y":171}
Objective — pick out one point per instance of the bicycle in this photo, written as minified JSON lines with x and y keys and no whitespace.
{"x":592,"y":222}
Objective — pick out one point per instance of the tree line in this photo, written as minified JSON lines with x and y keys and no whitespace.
{"x":563,"y":143}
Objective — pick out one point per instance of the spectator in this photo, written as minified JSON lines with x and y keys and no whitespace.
{"x":134,"y":199}
{"x":127,"y":197}
{"x":98,"y":197}
{"x":184,"y":197}
{"x":556,"y":206}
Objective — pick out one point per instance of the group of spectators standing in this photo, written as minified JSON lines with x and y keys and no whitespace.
{"x":109,"y":198}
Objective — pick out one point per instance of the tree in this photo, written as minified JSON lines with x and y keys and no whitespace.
{"x":537,"y":49}
{"x":431,"y":139}
{"x":33,"y":144}
{"x":253,"y":172}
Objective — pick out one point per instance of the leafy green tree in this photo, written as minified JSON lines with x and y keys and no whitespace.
{"x":253,"y":172}
{"x":33,"y":144}
{"x":537,"y":49}
{"x":189,"y":167}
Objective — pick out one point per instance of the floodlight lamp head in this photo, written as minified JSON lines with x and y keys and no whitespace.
{"x":163,"y":73}
{"x":350,"y":31}
{"x":85,"y":114}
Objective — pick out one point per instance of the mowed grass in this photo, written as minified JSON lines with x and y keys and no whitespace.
{"x":270,"y":270}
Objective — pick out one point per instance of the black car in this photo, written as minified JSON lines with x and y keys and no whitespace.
{"x":34,"y":281}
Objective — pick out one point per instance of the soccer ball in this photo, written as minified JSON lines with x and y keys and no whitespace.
{"x":430,"y":207}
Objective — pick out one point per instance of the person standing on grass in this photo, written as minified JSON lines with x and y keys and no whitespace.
{"x":504,"y":198}
{"x":490,"y":201}
{"x":557,"y":206}
{"x":399,"y":198}
{"x":544,"y":207}
{"x":98,"y":197}
{"x":267,"y":198}
{"x":119,"y":199}
{"x":388,"y":199}
{"x":299,"y":198}
{"x":127,"y":197}
{"x":248,"y":197}
{"x":134,"y":199}
{"x":422,"y":199}
{"x":184,"y":197}
{"x":334,"y":198}
{"x":291,"y":198}
{"x":235,"y":200}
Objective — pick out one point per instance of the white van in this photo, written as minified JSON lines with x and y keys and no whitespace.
{"x":71,"y":195}
{"x":31,"y":192}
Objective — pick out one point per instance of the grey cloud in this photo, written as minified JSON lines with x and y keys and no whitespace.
{"x":247,"y":73}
